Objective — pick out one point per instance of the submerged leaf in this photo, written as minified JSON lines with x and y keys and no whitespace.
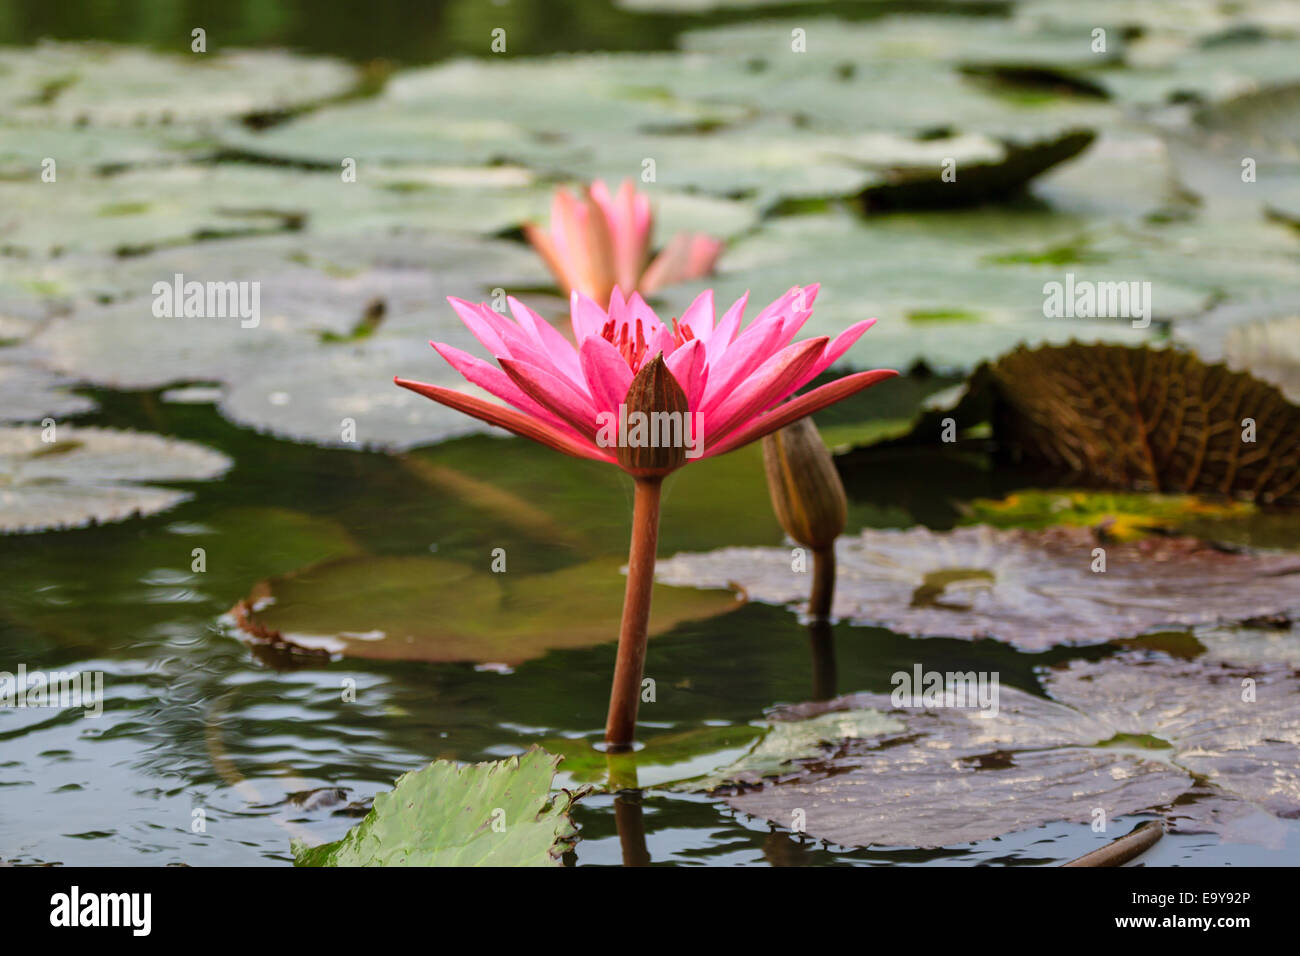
{"x":1033,"y":589}
{"x":485,"y":814}
{"x":430,"y":609}
{"x":1118,"y":736}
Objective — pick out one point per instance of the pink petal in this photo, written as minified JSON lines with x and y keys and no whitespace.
{"x":557,"y":263}
{"x":509,"y":419}
{"x":754,"y":347}
{"x":492,"y":379}
{"x":607,"y":372}
{"x":797,"y":408}
{"x":554,"y":395}
{"x":725,"y":332}
{"x":588,"y":318}
{"x":689,"y":365}
{"x":774,"y":380}
{"x":552,"y":344}
{"x":698,"y":316}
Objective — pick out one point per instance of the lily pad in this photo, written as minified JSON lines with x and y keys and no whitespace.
{"x":993,"y":275}
{"x":430,"y":609}
{"x":31,"y":394}
{"x":1117,"y":736}
{"x":1117,"y":517}
{"x":1150,"y":419}
{"x":300,"y":371}
{"x":93,"y":475}
{"x":1032,"y":589}
{"x":485,"y":814}
{"x":103,"y":84}
{"x":1261,"y":337}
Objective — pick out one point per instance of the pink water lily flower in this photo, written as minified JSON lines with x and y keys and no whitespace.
{"x":568,"y":398}
{"x":597,"y":242}
{"x":721,"y":385}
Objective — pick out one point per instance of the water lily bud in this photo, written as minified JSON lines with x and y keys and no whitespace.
{"x":658,"y":421}
{"x":807,"y":494}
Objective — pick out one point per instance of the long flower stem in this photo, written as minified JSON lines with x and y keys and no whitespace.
{"x":620,"y":728}
{"x":823,"y":589}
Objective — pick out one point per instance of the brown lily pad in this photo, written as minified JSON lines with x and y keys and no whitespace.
{"x":429,"y":609}
{"x":1121,"y":736}
{"x":1033,"y":589}
{"x":1148,"y":419}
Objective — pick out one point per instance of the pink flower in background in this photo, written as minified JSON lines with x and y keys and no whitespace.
{"x":598,"y":242}
{"x":733,"y":381}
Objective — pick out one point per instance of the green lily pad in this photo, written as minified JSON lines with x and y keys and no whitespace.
{"x":31,"y":394}
{"x":486,"y":814}
{"x":786,"y":743}
{"x":964,"y":775}
{"x":103,"y":84}
{"x":430,"y":609}
{"x":1033,"y":589}
{"x":298,"y":372}
{"x":869,"y":270}
{"x":1121,"y":517}
{"x":93,"y":475}
{"x":660,"y":759}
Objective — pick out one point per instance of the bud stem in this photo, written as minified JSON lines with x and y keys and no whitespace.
{"x":620,"y":728}
{"x":823,"y":588}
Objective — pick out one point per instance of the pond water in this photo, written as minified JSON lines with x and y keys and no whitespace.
{"x":194,"y":720}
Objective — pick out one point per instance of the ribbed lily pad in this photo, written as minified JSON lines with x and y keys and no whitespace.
{"x":486,"y":814}
{"x":427,"y":608}
{"x":1150,"y":419}
{"x":1120,"y":735}
{"x":1033,"y":589}
{"x":103,"y":84}
{"x":93,"y":475}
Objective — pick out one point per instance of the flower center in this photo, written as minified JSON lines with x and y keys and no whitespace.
{"x":632,"y":349}
{"x":630,"y":339}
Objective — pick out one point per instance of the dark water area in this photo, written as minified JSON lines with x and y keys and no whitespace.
{"x":404,"y":32}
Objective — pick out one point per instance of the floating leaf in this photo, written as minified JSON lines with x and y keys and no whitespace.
{"x":426,"y":608}
{"x":103,"y":84}
{"x":659,"y":759}
{"x":1261,"y":337}
{"x":1033,"y":589}
{"x":787,"y":742}
{"x":486,"y":814}
{"x":1149,"y":419}
{"x":1118,"y":517}
{"x":89,"y":475}
{"x":31,"y":394}
{"x":1118,"y":735}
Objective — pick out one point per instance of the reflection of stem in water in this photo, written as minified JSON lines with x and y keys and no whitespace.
{"x":628,"y":818}
{"x":631,"y":828}
{"x":822,"y":643}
